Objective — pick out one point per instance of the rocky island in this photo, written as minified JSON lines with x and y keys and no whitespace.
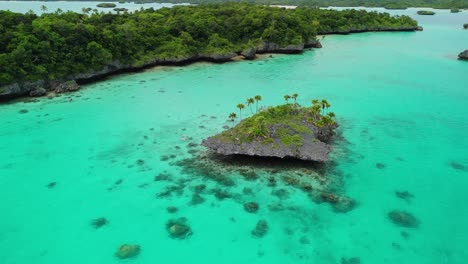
{"x":463,"y":55}
{"x":284,"y":131}
{"x":425,"y":13}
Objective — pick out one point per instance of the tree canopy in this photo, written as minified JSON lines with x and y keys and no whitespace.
{"x":62,"y":44}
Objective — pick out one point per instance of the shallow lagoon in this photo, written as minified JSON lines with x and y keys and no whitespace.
{"x":401,"y":100}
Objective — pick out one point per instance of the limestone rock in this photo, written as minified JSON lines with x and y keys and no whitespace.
{"x":463,"y":55}
{"x":38,"y":92}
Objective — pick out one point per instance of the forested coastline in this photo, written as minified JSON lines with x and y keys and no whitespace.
{"x":390,"y":4}
{"x":36,"y":51}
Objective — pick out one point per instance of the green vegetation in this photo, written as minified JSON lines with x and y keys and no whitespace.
{"x":425,"y":13}
{"x":106,"y":5}
{"x":284,"y":122}
{"x":60,"y":45}
{"x":455,"y":10}
{"x":390,"y":4}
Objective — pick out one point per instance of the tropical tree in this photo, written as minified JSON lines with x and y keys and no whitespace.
{"x":250,"y":102}
{"x":294,"y":96}
{"x":43,"y":8}
{"x":324,"y":103}
{"x":232,"y":116}
{"x":315,"y":102}
{"x":240,"y":106}
{"x":257,"y":99}
{"x":287,"y":97}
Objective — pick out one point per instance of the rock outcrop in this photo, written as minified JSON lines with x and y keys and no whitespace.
{"x":249,"y":53}
{"x":463,"y":55}
{"x":283,"y":131}
{"x":39,"y":91}
{"x":465,"y":26}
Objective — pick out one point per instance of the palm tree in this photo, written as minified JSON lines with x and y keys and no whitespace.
{"x":287,"y":97}
{"x":257,"y":98}
{"x":331,"y":114}
{"x":240,"y":106}
{"x":315,"y":102}
{"x":232,"y":116}
{"x":250,"y":102}
{"x":43,"y":8}
{"x":294,"y":96}
{"x":324,"y":104}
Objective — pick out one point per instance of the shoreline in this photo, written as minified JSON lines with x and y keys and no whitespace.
{"x":23,"y":90}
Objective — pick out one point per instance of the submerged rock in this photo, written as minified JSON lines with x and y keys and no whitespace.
{"x":463,"y":55}
{"x":99,"y":222}
{"x":251,"y":207}
{"x":354,"y":260}
{"x":261,"y":229}
{"x":126,"y":251}
{"x":404,"y":219}
{"x":457,"y":166}
{"x":172,"y":209}
{"x":405,"y":195}
{"x":178,"y":228}
{"x":283,"y":131}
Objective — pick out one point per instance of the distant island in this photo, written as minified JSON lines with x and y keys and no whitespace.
{"x":40,"y":53}
{"x":106,"y":5}
{"x":288,"y":130}
{"x":463,"y":55}
{"x":389,"y":4}
{"x":425,"y":13}
{"x":465,"y":26}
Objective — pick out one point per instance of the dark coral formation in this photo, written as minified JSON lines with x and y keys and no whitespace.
{"x":458,"y":166}
{"x":340,"y":204}
{"x":403,"y":219}
{"x":405,"y":195}
{"x":178,"y":228}
{"x":172,"y":209}
{"x":197,"y":199}
{"x":99,"y":222}
{"x":380,"y":166}
{"x":353,"y":260}
{"x":261,"y":229}
{"x":251,"y":207}
{"x":127,"y":251}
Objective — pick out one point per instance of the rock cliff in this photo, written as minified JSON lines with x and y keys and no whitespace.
{"x":286,"y":131}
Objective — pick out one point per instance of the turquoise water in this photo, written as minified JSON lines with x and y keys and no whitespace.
{"x":75,"y":6}
{"x":401,"y":100}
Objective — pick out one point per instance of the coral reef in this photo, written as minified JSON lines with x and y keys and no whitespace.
{"x":99,"y":222}
{"x":261,"y":229}
{"x":251,"y":207}
{"x":126,"y":251}
{"x":403,"y":219}
{"x":178,"y":228}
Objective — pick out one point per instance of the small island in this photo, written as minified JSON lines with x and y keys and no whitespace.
{"x":455,"y":10}
{"x":465,"y":26}
{"x":285,"y":131}
{"x":426,"y":13}
{"x":463,"y":55}
{"x":106,"y":5}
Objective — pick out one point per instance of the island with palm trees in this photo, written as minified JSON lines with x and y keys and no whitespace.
{"x":284,"y":131}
